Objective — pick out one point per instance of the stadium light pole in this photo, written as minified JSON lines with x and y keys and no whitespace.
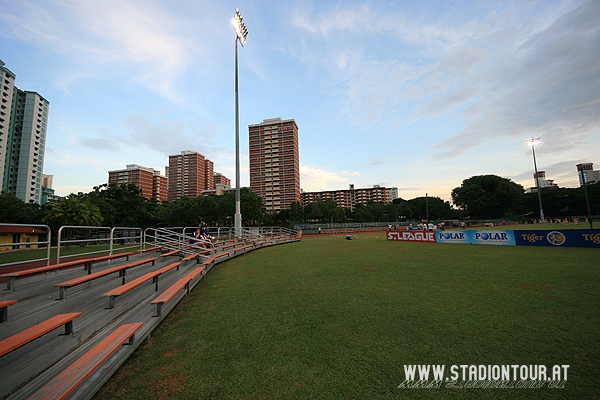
{"x":587,"y":200}
{"x":532,"y":142}
{"x":240,"y":35}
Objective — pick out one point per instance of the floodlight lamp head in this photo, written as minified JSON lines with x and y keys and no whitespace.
{"x":240,"y":28}
{"x":533,"y":141}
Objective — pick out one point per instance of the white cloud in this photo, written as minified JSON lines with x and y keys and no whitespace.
{"x":316,"y":179}
{"x":169,"y":136}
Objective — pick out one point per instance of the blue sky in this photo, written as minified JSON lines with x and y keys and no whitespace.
{"x":412,"y":94}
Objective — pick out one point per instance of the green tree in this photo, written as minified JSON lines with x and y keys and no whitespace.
{"x":15,"y":211}
{"x":436,"y":207}
{"x":184,"y":211}
{"x":296,"y":212}
{"x":73,"y":211}
{"x":488,"y":196}
{"x":120,"y":205}
{"x":362,"y":213}
{"x":339,"y":215}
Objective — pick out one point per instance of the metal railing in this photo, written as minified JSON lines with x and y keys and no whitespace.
{"x":135,"y":240}
{"x":100,"y":235}
{"x":172,"y":240}
{"x":48,"y":234}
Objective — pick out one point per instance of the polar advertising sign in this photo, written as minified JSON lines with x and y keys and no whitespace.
{"x":493,"y":237}
{"x":412,"y":236}
{"x":462,"y":237}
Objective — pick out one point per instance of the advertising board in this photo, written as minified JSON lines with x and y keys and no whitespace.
{"x":412,"y":236}
{"x":559,"y":238}
{"x":493,"y":237}
{"x":462,"y":237}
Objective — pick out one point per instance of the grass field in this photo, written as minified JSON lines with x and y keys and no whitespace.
{"x":328,"y":318}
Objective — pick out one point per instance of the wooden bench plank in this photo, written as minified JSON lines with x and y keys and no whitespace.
{"x":170,"y":253}
{"x":151,"y":249}
{"x":11,"y":276}
{"x":213,"y":258}
{"x":111,"y":257}
{"x":224,"y":241}
{"x":30,"y":334}
{"x":196,"y":256}
{"x":4,"y":309}
{"x":168,"y":294}
{"x":82,"y":279}
{"x":242,"y":248}
{"x":61,"y":386}
{"x":87,"y":263}
{"x":136,"y":282}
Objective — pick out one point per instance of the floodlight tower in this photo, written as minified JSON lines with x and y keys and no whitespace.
{"x":240,"y":35}
{"x":532,"y":142}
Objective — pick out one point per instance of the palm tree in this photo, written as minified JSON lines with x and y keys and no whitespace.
{"x":73,"y":211}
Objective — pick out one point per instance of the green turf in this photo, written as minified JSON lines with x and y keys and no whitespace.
{"x":329,"y":318}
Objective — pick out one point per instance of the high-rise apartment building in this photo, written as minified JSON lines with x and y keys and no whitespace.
{"x":160,"y":187}
{"x":48,"y":194}
{"x":148,"y":180}
{"x":275,"y":162}
{"x":587,"y":174}
{"x":23,"y":122}
{"x":220,"y":179}
{"x":189,"y":174}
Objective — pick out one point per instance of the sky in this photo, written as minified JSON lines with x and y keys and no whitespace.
{"x":418,"y":95}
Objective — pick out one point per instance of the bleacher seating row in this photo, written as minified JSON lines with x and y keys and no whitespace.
{"x":37,"y":362}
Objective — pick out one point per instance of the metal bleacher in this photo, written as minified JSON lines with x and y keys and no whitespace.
{"x":27,"y":369}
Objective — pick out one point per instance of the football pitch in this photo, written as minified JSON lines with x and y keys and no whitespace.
{"x":329,"y":318}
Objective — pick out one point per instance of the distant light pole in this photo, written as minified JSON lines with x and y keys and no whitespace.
{"x":532,"y":142}
{"x":240,"y":35}
{"x":587,"y":200}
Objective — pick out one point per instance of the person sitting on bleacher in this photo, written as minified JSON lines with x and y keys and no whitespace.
{"x":197,"y":235}
{"x":206,"y":235}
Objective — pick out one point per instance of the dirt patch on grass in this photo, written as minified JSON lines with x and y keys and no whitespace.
{"x":535,"y":287}
{"x":166,"y":385}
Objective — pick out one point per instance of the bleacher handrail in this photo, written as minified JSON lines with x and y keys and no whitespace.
{"x":123,"y":228}
{"x":172,"y":240}
{"x":70,"y":241}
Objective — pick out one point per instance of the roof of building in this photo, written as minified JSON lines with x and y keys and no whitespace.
{"x":20,"y":229}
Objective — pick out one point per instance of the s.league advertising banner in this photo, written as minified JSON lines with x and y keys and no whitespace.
{"x":412,"y":236}
{"x":556,"y":238}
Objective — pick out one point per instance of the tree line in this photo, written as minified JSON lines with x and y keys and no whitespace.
{"x":478,"y":197}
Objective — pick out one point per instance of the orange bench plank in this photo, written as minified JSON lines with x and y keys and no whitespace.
{"x":110,"y":257}
{"x":82,"y":279}
{"x":245,"y":247}
{"x":213,"y":258}
{"x":26,"y":336}
{"x":176,"y":287}
{"x":136,"y":282}
{"x":61,"y":386}
{"x":170,"y":253}
{"x":191,"y":256}
{"x":4,"y":309}
{"x":6,"y":303}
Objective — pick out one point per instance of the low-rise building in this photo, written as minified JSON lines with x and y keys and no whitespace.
{"x":349,"y":198}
